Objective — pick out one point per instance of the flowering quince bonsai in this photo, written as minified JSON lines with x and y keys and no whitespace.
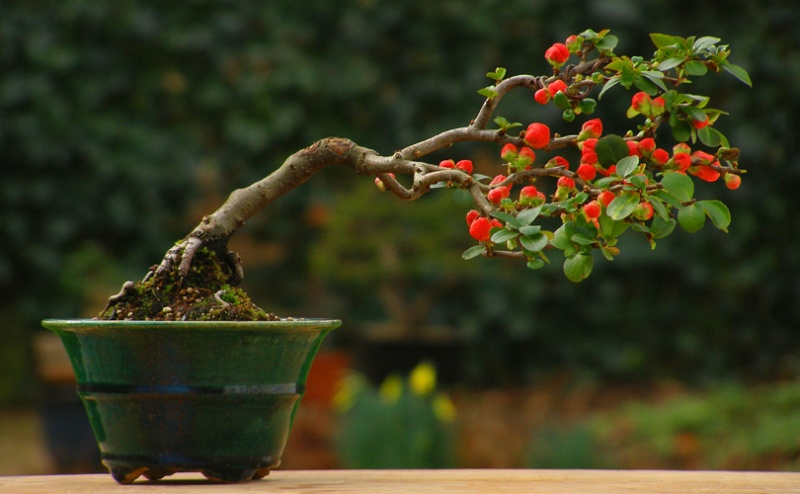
{"x":541,"y":200}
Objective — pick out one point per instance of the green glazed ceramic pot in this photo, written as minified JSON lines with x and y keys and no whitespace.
{"x":213,"y":397}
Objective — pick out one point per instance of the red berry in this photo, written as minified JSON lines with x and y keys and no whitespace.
{"x":542,"y":96}
{"x":556,"y":86}
{"x":472,"y":215}
{"x":465,"y":166}
{"x":587,"y":172}
{"x":591,"y":128}
{"x":592,"y":210}
{"x":447,"y":164}
{"x":732,"y":181}
{"x":660,"y":156}
{"x":566,"y":183}
{"x":643,"y":211}
{"x":557,"y":54}
{"x":606,"y":197}
{"x":509,"y":152}
{"x":647,"y":145}
{"x":497,"y":194}
{"x":657,"y":106}
{"x":480,"y":228}
{"x":681,"y":147}
{"x":497,"y":179}
{"x":529,"y":195}
{"x":537,"y":135}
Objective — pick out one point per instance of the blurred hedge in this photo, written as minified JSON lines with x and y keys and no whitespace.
{"x":117,"y":118}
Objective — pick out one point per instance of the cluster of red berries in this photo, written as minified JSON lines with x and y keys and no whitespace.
{"x":480,"y":227}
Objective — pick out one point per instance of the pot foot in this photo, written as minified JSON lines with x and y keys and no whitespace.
{"x":231,"y":476}
{"x":127,"y":475}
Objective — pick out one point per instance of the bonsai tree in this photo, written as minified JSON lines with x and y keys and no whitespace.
{"x":576,"y":193}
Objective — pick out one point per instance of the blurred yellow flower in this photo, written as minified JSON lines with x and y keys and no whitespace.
{"x":391,"y":389}
{"x":423,"y":379}
{"x":345,"y":396}
{"x":443,"y":408}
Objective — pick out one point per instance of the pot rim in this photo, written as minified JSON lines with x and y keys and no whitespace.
{"x":297,"y":324}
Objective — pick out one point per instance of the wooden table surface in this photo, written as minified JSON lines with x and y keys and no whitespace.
{"x":429,"y":481}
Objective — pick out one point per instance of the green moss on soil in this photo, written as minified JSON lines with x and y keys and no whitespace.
{"x":203,"y":295}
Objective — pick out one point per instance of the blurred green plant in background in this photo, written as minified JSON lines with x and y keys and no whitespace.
{"x":405,"y":423}
{"x":122,"y":121}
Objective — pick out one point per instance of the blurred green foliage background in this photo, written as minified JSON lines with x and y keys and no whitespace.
{"x":122,"y":122}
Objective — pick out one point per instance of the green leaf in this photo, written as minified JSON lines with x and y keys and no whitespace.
{"x":656,"y":77}
{"x":610,"y":149}
{"x":670,"y":63}
{"x":561,"y":237}
{"x":530,"y":229}
{"x":678,"y":185}
{"x":488,"y":92}
{"x":536,"y":264}
{"x":626,"y":165}
{"x":498,"y":74}
{"x":692,"y":217}
{"x":664,"y":40}
{"x":534,"y":243}
{"x":582,"y":239}
{"x":704,"y":42}
{"x":526,"y":216}
{"x":474,"y":251}
{"x":578,"y":267}
{"x":681,"y":131}
{"x":462,"y":197}
{"x":510,"y":219}
{"x":623,"y":205}
{"x":611,"y":228}
{"x":609,"y":42}
{"x":503,"y":235}
{"x":661,"y":227}
{"x":608,"y":85}
{"x":718,"y":212}
{"x":561,"y":101}
{"x":738,"y":73}
{"x":710,"y":137}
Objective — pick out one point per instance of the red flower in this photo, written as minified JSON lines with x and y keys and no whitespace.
{"x":447,"y":164}
{"x":559,"y":161}
{"x":633,"y":148}
{"x":556,"y":86}
{"x":472,"y":215}
{"x":497,"y":179}
{"x":565,"y":183}
{"x":660,"y":156}
{"x":699,"y":124}
{"x":589,"y":158}
{"x":557,"y":54}
{"x":465,"y":166}
{"x":705,"y":172}
{"x":527,"y":155}
{"x":641,"y":102}
{"x":537,"y":135}
{"x":497,"y":194}
{"x":480,"y":229}
{"x":591,"y":128}
{"x":647,"y":145}
{"x":682,"y":160}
